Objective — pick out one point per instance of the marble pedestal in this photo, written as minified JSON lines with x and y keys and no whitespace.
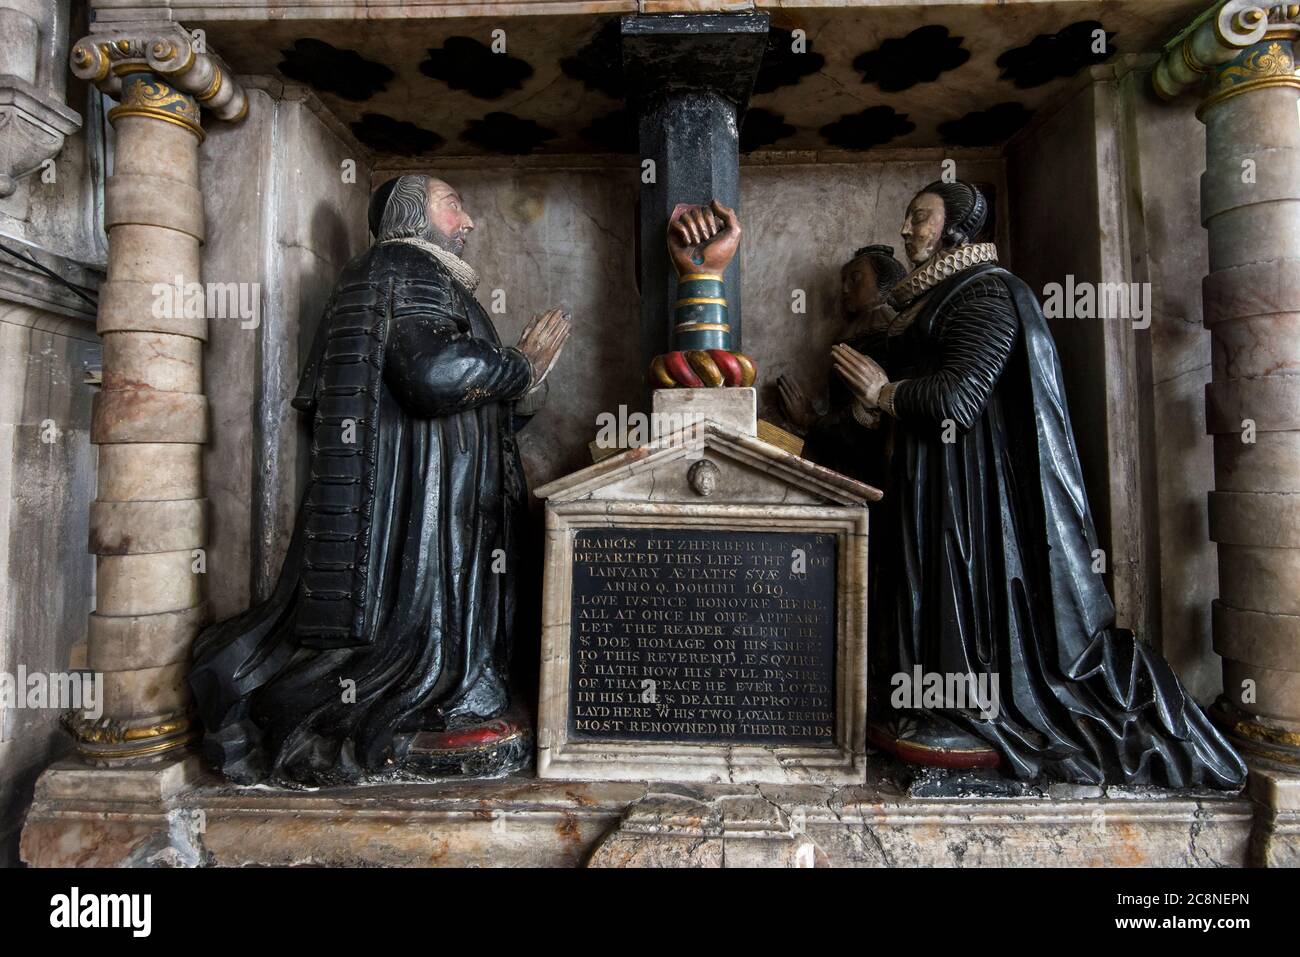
{"x":1275,"y":841}
{"x":177,"y":815}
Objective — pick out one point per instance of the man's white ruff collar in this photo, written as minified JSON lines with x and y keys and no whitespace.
{"x":460,"y":270}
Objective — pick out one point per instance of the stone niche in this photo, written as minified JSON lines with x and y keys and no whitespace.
{"x":704,"y":608}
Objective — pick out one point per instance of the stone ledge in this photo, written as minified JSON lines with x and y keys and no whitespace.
{"x":528,"y":822}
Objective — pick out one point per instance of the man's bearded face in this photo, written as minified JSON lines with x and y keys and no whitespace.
{"x":923,"y":228}
{"x":449,"y":224}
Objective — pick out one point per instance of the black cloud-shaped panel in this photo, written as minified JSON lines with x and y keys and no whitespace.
{"x":615,"y":132}
{"x":902,"y":62}
{"x":986,"y":127}
{"x":387,"y":135}
{"x":464,"y":63}
{"x":1052,"y":56}
{"x":598,"y":65}
{"x":762,"y":128}
{"x":781,"y":65}
{"x":871,"y":127}
{"x":506,"y":133}
{"x":328,"y":69}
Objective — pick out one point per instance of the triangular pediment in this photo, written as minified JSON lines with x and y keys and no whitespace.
{"x":755,"y":457}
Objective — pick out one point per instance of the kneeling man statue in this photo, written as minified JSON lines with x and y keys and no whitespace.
{"x":384,"y":648}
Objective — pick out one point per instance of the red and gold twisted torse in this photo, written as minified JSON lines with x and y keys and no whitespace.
{"x":702,"y":240}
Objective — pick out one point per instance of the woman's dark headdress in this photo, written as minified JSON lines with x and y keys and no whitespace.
{"x":888,"y":269}
{"x":965,"y":210}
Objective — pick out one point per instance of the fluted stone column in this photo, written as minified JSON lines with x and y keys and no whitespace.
{"x":147,"y":523}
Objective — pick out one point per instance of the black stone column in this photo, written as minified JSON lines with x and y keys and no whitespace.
{"x":689,"y":80}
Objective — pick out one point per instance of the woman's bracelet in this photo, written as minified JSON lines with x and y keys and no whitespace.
{"x":886,"y":398}
{"x":867,"y":418}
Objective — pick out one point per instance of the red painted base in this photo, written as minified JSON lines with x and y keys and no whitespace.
{"x":914,"y":752}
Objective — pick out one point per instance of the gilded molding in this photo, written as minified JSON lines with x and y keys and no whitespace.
{"x":1284,"y":12}
{"x":1276,"y":60}
{"x":169,"y":56}
{"x":107,"y":739}
{"x":1268,"y":64}
{"x":1190,"y":61}
{"x":144,"y":94}
{"x":1214,"y":39}
{"x":213,"y":89}
{"x":138,"y":751}
{"x":703,"y":327}
{"x":1273,"y":744}
{"x":111,"y":732}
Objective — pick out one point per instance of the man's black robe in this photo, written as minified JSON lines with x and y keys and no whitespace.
{"x":991,"y":555}
{"x":393,"y":610}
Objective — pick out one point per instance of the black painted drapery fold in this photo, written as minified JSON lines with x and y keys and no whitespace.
{"x":387,"y":617}
{"x":990,"y":554}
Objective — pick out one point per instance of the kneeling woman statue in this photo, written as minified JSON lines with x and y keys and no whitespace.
{"x":988,"y":573}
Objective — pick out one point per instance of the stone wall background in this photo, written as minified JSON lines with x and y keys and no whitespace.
{"x":1064,"y":170}
{"x":1105,"y":186}
{"x":1171,"y":246}
{"x":281,"y":214}
{"x":47,"y":341}
{"x":564,"y":236}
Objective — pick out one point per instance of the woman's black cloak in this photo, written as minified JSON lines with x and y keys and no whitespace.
{"x":991,"y":556}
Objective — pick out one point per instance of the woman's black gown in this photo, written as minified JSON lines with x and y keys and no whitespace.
{"x":990,"y":554}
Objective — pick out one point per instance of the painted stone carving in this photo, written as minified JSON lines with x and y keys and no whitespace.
{"x":836,"y":438}
{"x":986,"y":544}
{"x":702,"y":241}
{"x":384,"y":649}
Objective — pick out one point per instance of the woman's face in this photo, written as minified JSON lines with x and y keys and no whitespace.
{"x":923,"y":228}
{"x":859,"y":287}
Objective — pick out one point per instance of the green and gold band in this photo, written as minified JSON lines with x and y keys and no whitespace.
{"x":701,"y":323}
{"x":700,"y":313}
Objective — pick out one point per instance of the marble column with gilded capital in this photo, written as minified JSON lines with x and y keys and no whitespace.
{"x":1242,"y":59}
{"x":150,"y":419}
